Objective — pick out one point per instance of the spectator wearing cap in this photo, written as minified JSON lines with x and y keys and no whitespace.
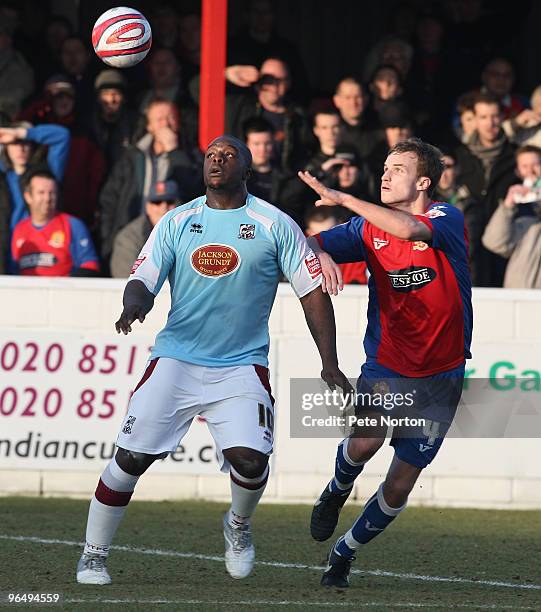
{"x":163,"y":197}
{"x":157,"y":156}
{"x":112,"y":124}
{"x":85,"y":168}
{"x":21,"y":156}
{"x":16,"y":76}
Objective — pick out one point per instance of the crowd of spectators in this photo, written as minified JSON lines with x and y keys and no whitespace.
{"x":92,"y":157}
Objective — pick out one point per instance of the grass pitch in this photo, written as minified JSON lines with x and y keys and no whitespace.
{"x":429,"y":559}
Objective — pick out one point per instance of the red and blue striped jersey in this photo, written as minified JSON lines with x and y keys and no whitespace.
{"x":419,"y":311}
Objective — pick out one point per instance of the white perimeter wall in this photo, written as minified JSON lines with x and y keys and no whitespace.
{"x":498,"y":473}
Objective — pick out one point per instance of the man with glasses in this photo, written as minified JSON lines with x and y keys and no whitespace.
{"x":163,"y":197}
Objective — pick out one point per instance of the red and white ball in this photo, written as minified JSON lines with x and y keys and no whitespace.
{"x":121,"y":37}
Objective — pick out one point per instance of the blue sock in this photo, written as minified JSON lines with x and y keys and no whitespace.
{"x":345,"y":471}
{"x":377,"y":514}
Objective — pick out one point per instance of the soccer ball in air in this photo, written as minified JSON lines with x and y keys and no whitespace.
{"x":121,"y":37}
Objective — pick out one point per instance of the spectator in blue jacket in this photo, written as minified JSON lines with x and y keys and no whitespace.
{"x":21,"y":156}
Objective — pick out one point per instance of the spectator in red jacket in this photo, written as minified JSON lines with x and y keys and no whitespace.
{"x":49,"y":243}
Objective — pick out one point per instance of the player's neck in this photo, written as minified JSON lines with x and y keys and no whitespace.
{"x":222,"y":199}
{"x":415,"y":207}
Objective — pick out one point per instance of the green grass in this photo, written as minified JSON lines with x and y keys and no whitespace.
{"x":476,"y":545}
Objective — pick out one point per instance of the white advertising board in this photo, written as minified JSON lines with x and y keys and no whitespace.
{"x":63,"y":397}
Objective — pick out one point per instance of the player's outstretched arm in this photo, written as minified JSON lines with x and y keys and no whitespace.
{"x":331,"y":275}
{"x":138,"y":302}
{"x":396,"y":222}
{"x":319,"y":315}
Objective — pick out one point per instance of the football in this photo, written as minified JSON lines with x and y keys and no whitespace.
{"x":121,"y":37}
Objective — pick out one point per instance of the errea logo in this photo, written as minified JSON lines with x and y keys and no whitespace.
{"x":379,"y":243}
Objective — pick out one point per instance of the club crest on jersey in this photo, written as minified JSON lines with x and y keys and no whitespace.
{"x":379,"y":243}
{"x":214,"y":260}
{"x":419,"y":245}
{"x":313,"y":265}
{"x":57,"y":239}
{"x":410,"y":279}
{"x":137,"y":263}
{"x":434,"y":212}
{"x":246,"y":231}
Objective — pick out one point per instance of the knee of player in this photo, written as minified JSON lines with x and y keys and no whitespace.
{"x":396,"y":491}
{"x":246,"y":461}
{"x":361,"y":449}
{"x":135,"y":463}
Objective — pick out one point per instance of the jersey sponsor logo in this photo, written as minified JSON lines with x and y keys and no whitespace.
{"x":57,"y":239}
{"x":410,"y":279}
{"x":313,"y":265}
{"x":35,"y":260}
{"x":246,"y":231}
{"x":214,"y":260}
{"x":435,"y":212}
{"x":379,"y":243}
{"x":137,"y":263}
{"x":419,"y":245}
{"x":196,"y":228}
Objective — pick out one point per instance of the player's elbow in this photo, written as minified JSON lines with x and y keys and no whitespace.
{"x":417,"y":231}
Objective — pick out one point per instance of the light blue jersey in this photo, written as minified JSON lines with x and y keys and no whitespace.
{"x":223,"y":268}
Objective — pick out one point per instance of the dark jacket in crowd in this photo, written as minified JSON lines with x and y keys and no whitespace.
{"x":121,"y":199}
{"x":285,"y":191}
{"x":487,"y":191}
{"x":296,"y":137}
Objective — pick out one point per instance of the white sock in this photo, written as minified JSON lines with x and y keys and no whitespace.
{"x":107,"y":508}
{"x":245,"y":495}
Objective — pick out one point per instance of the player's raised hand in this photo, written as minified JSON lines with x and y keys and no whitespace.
{"x":328,"y":196}
{"x":130,"y":314}
{"x":332,"y":281}
{"x":334,"y":377}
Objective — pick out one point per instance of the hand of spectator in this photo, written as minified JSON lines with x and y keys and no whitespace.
{"x":167,"y":138}
{"x":329,"y":197}
{"x":242,"y":76}
{"x":528,"y":118}
{"x":331,"y":163}
{"x":129,"y":315}
{"x":512,"y":192}
{"x":331,"y":281}
{"x":10,"y":135}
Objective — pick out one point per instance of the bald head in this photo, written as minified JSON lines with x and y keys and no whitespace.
{"x":237,"y":144}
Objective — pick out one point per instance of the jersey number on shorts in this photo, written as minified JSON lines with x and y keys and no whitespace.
{"x":266,"y":418}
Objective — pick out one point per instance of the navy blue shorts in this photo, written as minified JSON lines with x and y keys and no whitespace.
{"x":430,"y":403}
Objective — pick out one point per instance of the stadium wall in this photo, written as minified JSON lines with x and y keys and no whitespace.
{"x":66,"y":378}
